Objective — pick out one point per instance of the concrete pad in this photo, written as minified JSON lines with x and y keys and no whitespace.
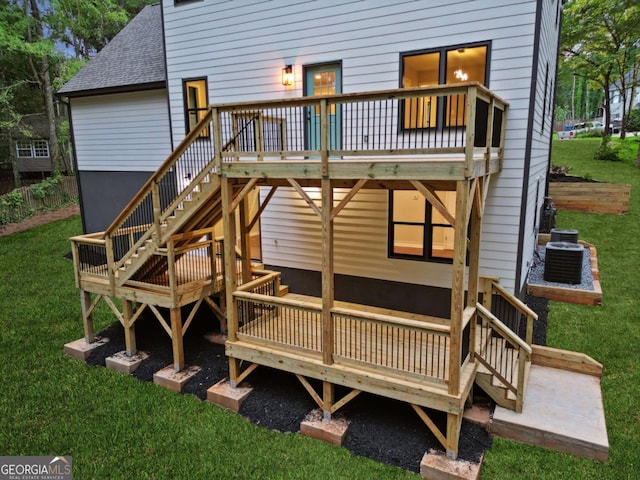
{"x":437,"y":466}
{"x":81,"y":350}
{"x":562,"y":411}
{"x":123,"y":363}
{"x":478,"y":414}
{"x":169,"y":378}
{"x":331,"y":431}
{"x":223,"y":394}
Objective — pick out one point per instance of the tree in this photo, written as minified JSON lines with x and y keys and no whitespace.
{"x":597,"y":41}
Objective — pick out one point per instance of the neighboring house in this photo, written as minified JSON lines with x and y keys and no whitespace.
{"x":32,"y":151}
{"x":119,"y":118}
{"x":400,"y":151}
{"x":618,"y":110}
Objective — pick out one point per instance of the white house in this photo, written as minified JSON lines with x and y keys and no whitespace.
{"x":390,"y":158}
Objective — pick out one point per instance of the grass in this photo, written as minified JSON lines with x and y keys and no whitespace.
{"x":117,"y":427}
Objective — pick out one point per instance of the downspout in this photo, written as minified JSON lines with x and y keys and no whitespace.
{"x":527,"y":156}
{"x":166,"y":75}
{"x":74,"y":161}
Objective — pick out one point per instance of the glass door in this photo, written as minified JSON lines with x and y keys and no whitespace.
{"x":323,"y":80}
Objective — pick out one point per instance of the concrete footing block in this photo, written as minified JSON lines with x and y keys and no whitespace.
{"x":217,"y":338}
{"x":223,"y":394}
{"x":332,"y":430}
{"x":479,"y":415}
{"x":123,"y":363}
{"x":169,"y":378}
{"x":81,"y":350}
{"x":437,"y":466}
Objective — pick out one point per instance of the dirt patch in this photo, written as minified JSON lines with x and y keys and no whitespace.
{"x":38,"y":219}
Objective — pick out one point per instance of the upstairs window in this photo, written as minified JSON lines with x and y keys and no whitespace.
{"x":444,"y":66}
{"x":417,"y":231}
{"x":32,"y":149}
{"x":195,"y":102}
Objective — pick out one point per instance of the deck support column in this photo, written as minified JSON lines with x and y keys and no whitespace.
{"x":458,"y":285}
{"x":327,"y":399}
{"x":129,"y":328}
{"x":230,"y":277}
{"x":176,"y":339}
{"x":87,"y":316}
{"x":454,"y":423}
{"x":245,"y":240}
{"x":327,"y":272}
{"x":473,"y":293}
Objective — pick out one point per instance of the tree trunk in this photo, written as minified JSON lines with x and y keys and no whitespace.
{"x":44,"y":77}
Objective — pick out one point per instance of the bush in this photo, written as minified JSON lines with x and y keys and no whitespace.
{"x":633,"y":122}
{"x":608,"y":151}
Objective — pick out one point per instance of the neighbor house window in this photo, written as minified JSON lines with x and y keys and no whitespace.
{"x":195,"y":102}
{"x":32,"y":148}
{"x":417,"y":230}
{"x":443,"y":66}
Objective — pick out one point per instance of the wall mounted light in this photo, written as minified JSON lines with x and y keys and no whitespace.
{"x":287,"y":76}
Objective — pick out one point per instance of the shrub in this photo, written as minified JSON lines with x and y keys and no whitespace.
{"x":607,"y":151}
{"x":633,"y":122}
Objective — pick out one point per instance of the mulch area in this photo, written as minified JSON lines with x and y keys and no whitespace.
{"x":382,"y":429}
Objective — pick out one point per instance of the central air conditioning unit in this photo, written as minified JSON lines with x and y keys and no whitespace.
{"x":563,"y":262}
{"x":564,"y":235}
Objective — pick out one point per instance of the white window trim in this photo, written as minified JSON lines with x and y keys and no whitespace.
{"x":37,"y":148}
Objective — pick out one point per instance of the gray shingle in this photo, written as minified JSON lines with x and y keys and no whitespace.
{"x":134,"y":57}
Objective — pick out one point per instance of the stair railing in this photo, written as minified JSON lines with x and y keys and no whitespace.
{"x":162,"y":194}
{"x":503,"y":353}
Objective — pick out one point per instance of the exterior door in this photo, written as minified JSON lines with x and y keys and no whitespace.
{"x":323,"y":80}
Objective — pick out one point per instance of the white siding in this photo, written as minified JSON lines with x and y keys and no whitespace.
{"x":121,"y":132}
{"x":241,"y":48}
{"x":542,"y":127}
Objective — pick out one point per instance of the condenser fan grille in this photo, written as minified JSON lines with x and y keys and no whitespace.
{"x":564,"y":235}
{"x":563,"y":262}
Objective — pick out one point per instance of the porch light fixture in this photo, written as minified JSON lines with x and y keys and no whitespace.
{"x":460,"y":75}
{"x":287,"y":76}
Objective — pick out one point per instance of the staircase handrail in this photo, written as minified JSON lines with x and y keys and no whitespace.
{"x":160,"y":172}
{"x":503,"y":330}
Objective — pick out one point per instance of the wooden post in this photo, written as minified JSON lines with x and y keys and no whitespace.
{"x":157,"y":210}
{"x":87,"y":316}
{"x":457,"y":287}
{"x":470,"y":134}
{"x":230,"y":280}
{"x":454,"y":422}
{"x":245,"y":240}
{"x":324,"y":139}
{"x":171,"y":270}
{"x":129,"y":328}
{"x":327,"y":399}
{"x":176,"y":339}
{"x":327,"y":272}
{"x":111,"y":263}
{"x":217,"y":139}
{"x":473,"y":293}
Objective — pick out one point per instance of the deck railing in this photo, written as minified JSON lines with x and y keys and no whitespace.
{"x":517,"y":316}
{"x":391,"y":343}
{"x":503,"y":353}
{"x":375,"y":341}
{"x":465,"y":119}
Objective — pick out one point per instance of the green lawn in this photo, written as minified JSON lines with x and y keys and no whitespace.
{"x":117,"y":427}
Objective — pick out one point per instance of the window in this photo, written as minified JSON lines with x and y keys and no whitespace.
{"x":195,"y":102}
{"x":32,"y":149}
{"x":441,"y":66}
{"x":417,"y":230}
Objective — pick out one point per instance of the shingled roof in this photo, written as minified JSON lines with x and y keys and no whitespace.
{"x":133,"y":60}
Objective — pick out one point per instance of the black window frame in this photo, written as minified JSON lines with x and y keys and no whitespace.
{"x":427,"y":237}
{"x":440,"y":123}
{"x":199,"y":108}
